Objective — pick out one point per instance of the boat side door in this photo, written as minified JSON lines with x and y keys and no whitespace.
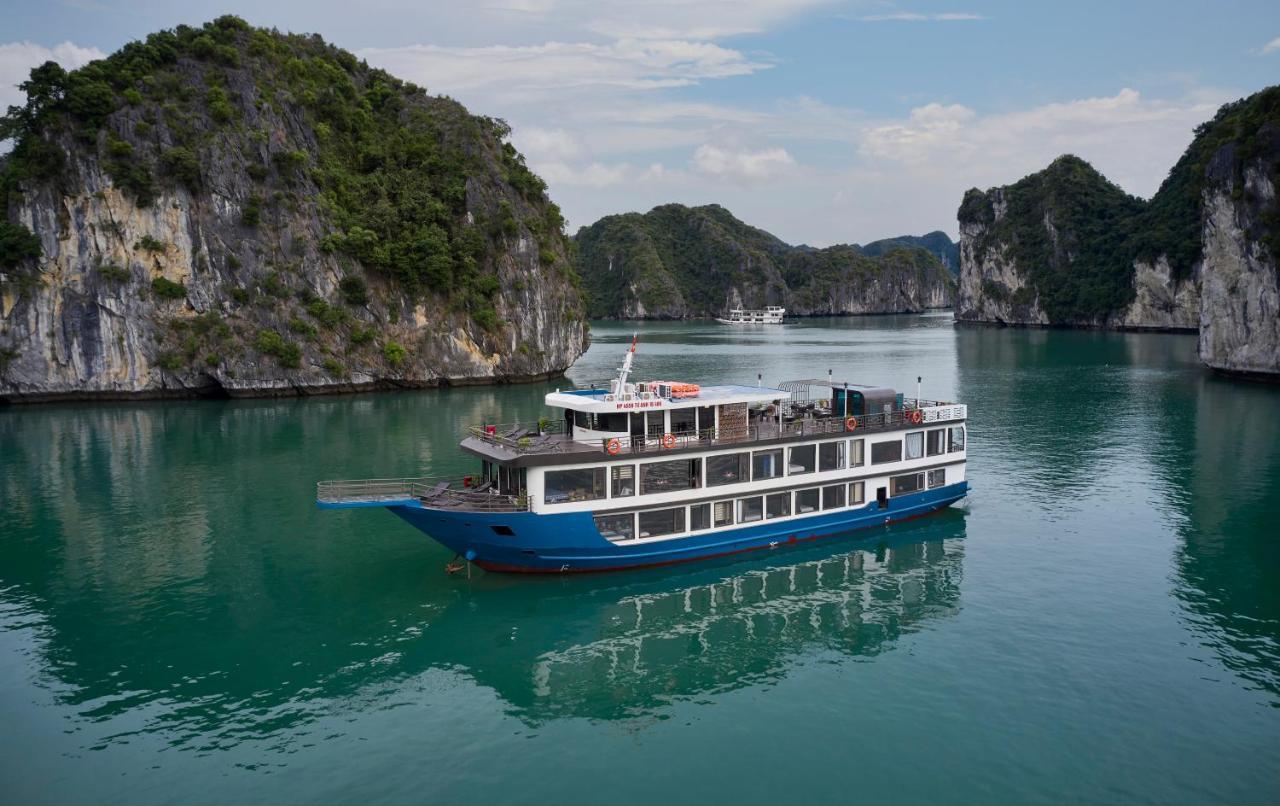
{"x":882,"y":497}
{"x":637,"y":428}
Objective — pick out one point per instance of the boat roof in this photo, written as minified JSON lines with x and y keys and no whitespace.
{"x":593,"y":400}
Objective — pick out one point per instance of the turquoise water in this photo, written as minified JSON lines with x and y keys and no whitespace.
{"x":1099,"y":622}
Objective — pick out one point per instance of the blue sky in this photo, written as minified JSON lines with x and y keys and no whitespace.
{"x":823,"y":122}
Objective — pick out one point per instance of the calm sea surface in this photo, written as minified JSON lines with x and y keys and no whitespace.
{"x":1099,"y":622}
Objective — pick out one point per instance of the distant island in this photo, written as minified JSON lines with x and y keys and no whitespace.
{"x":231,"y":210}
{"x":678,"y":262}
{"x":1065,"y":247}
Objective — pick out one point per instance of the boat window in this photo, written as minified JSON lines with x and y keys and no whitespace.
{"x":656,"y":423}
{"x":612,"y":422}
{"x":700,"y":517}
{"x":583,"y":484}
{"x":623,"y":481}
{"x":706,"y":418}
{"x":937,"y":478}
{"x":833,"y":496}
{"x":684,"y":421}
{"x":777,"y":505}
{"x":667,"y":477}
{"x":855,"y":453}
{"x":582,"y":419}
{"x":806,"y":500}
{"x":617,"y":527}
{"x":661,"y":522}
{"x":727,"y":469}
{"x":831,"y":455}
{"x":935,"y":442}
{"x":802,"y":459}
{"x":915,"y":444}
{"x":957,"y":439}
{"x":723,"y":512}
{"x":750,"y":509}
{"x":907,"y":484}
{"x":857,"y":493}
{"x":766,"y":464}
{"x":882,"y":452}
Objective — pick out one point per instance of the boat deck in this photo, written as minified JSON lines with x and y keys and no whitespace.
{"x":439,"y":493}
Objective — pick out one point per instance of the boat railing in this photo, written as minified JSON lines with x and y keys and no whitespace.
{"x":554,"y":440}
{"x":463,"y":493}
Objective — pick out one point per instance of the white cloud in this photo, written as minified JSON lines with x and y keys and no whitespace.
{"x":1271,"y":46}
{"x":17,"y":59}
{"x":915,"y":16}
{"x":741,"y":165}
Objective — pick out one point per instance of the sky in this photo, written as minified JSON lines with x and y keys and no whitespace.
{"x":821,"y":122}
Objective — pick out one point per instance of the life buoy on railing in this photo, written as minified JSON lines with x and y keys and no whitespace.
{"x":612,"y":447}
{"x":668,"y":441}
{"x":916,"y":416}
{"x":850,"y":423}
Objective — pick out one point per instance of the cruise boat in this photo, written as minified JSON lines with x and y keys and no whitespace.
{"x":658,"y":472}
{"x":771,"y":315}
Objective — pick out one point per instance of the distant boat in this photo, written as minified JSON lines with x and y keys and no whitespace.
{"x":771,"y":315}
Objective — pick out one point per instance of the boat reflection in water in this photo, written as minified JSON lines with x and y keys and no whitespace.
{"x":628,"y":650}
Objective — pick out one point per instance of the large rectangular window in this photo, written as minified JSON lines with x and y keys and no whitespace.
{"x":617,"y":527}
{"x":766,"y":464}
{"x":937,"y":478}
{"x":668,"y":477}
{"x":806,"y":500}
{"x":915,"y":445}
{"x":956,"y":439}
{"x":831,"y":455}
{"x":699,"y":517}
{"x":684,"y":421}
{"x":935,"y":442}
{"x":882,"y":452}
{"x":750,"y":509}
{"x":777,"y":505}
{"x":585,"y":484}
{"x":722,"y":513}
{"x":857,"y":493}
{"x":727,"y":469}
{"x":856,"y":458}
{"x":622,"y":480}
{"x":658,"y":522}
{"x":803,"y":459}
{"x":907,"y":484}
{"x":833,"y":496}
{"x":611,"y":422}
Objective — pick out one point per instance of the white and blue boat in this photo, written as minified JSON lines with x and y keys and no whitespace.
{"x":660,"y":472}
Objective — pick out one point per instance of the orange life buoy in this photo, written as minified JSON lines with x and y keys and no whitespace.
{"x":917,"y":416}
{"x":612,"y":447}
{"x":668,"y":441}
{"x":850,"y":423}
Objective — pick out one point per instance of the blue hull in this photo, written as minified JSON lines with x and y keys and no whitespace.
{"x":570,"y":542}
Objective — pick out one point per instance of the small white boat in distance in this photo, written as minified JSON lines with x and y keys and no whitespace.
{"x":771,"y":315}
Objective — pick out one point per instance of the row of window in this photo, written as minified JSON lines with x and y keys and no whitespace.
{"x":589,"y":483}
{"x":660,"y":522}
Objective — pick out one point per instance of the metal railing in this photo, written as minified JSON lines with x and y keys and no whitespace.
{"x":554,"y":440}
{"x":436,"y":492}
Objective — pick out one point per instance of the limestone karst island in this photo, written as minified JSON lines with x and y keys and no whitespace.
{"x":549,"y":402}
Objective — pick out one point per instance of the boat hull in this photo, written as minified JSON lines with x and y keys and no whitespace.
{"x":570,"y":542}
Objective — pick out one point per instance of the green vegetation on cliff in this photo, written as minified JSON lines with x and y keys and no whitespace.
{"x":391,"y":165}
{"x":684,"y":262}
{"x":937,"y":242}
{"x":1074,"y":236}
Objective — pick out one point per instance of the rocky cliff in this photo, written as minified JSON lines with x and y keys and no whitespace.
{"x":231,"y":210}
{"x":1064,"y":247}
{"x":678,"y":262}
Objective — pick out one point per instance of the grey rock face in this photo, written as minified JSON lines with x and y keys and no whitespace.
{"x":1240,"y":312}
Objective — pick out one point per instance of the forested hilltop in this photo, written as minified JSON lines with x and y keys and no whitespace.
{"x":1066,"y":247}
{"x":234,"y":209}
{"x":678,"y":262}
{"x":937,"y":242}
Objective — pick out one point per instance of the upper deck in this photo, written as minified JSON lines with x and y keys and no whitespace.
{"x":550,"y":443}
